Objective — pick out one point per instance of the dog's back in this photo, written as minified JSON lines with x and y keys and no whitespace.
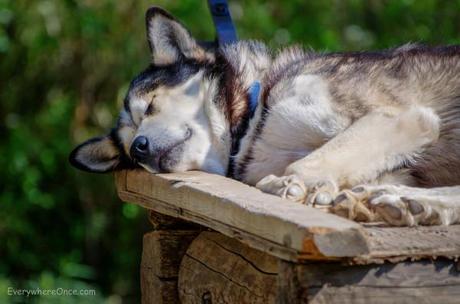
{"x":359,"y":83}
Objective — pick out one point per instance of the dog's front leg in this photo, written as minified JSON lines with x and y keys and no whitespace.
{"x":378,"y":142}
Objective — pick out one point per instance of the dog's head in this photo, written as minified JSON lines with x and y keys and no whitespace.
{"x":164,"y":125}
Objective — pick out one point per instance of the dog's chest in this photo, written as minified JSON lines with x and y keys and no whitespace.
{"x":298,"y":118}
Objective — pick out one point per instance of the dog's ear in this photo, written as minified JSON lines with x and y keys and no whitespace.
{"x":169,"y":40}
{"x":99,"y":154}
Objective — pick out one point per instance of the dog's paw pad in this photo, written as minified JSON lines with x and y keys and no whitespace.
{"x":395,"y":210}
{"x":414,"y":207}
{"x":388,"y":211}
{"x":419,"y":210}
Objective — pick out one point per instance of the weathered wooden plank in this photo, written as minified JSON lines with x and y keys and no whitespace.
{"x":408,"y":282}
{"x":289,"y":231}
{"x":392,"y":243}
{"x":269,"y":223}
{"x":392,"y":295}
{"x":254,"y":241}
{"x":424,"y":273}
{"x":218,"y":269}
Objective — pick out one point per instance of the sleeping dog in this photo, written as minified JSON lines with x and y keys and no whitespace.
{"x":371,"y":135}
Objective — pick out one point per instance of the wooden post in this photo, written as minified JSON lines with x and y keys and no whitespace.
{"x":289,"y":288}
{"x":162,"y":253}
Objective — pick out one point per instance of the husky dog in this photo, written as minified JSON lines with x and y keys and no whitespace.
{"x":372,"y":135}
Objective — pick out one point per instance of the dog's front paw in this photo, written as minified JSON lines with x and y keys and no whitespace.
{"x":294,"y":188}
{"x":392,"y":204}
{"x":413,"y":210}
{"x":353,"y":205}
{"x":290,"y":187}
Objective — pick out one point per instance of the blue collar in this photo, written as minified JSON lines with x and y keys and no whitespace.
{"x":253,"y":94}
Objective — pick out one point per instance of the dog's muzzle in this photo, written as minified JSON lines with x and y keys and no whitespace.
{"x":148,"y":153}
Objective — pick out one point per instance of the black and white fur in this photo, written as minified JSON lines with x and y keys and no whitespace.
{"x":325,"y":123}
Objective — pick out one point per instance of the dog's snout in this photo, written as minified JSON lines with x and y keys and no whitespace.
{"x":140,"y":148}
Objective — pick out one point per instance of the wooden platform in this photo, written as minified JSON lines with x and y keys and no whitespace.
{"x":265,"y":249}
{"x":284,"y":229}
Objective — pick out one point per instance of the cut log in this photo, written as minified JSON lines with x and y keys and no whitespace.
{"x":218,"y":269}
{"x":158,"y":291}
{"x":161,"y":256}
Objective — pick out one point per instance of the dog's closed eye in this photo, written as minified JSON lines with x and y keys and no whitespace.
{"x":150,"y":108}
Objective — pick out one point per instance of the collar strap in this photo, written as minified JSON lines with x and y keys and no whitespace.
{"x":253,"y":96}
{"x":223,"y":23}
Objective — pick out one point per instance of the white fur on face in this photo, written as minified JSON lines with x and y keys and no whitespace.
{"x":184,"y":109}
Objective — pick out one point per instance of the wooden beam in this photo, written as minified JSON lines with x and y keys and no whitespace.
{"x":399,"y":243}
{"x":281,"y":228}
{"x":408,"y":282}
{"x":265,"y":222}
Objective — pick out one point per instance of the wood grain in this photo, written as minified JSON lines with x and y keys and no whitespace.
{"x":281,"y":228}
{"x":163,"y":250}
{"x":392,"y":243}
{"x":408,"y":282}
{"x":219,"y":269}
{"x":264,"y":221}
{"x":162,"y":253}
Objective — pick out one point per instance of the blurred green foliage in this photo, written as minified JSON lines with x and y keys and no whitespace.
{"x":64,"y":69}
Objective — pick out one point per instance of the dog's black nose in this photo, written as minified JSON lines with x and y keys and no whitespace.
{"x":140,"y":148}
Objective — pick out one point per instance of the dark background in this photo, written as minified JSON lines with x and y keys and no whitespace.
{"x":64,"y":69}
